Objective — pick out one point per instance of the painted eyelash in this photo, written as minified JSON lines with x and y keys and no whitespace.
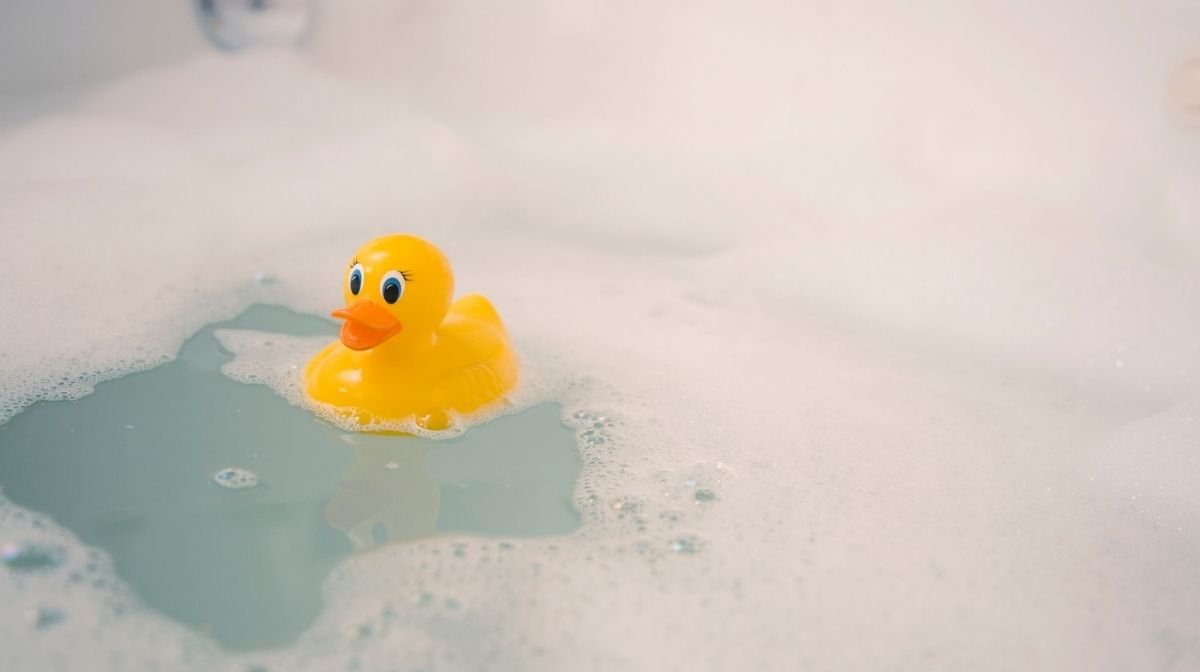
{"x":407,"y":275}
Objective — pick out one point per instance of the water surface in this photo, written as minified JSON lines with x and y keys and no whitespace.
{"x":130,"y":469}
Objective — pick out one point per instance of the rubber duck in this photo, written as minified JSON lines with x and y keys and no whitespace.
{"x":406,"y":351}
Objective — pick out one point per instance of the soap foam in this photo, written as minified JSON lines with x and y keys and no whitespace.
{"x":911,"y":296}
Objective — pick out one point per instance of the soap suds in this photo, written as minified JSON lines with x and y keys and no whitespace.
{"x":892,"y":318}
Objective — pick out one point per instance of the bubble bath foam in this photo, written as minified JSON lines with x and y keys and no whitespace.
{"x":874,"y":333}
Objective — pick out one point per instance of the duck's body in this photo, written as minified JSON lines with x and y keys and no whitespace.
{"x":411,"y":357}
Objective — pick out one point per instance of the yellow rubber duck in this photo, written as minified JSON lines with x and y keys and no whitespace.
{"x":405,"y":351}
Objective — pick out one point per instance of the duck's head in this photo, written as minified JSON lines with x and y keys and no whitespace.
{"x":397,"y":287}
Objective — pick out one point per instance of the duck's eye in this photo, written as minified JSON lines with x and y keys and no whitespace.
{"x":392,"y":287}
{"x":356,"y":276}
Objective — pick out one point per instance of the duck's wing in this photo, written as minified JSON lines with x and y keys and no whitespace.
{"x":468,"y":389}
{"x":483,"y":366}
{"x":472,"y":332}
{"x":476,"y":307}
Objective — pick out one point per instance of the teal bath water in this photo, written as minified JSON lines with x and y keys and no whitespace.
{"x":148,"y":469}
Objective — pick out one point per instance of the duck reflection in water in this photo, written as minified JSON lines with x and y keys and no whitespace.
{"x":509,"y":477}
{"x":388,"y":495}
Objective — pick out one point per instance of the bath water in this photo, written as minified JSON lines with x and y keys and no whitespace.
{"x":137,"y":469}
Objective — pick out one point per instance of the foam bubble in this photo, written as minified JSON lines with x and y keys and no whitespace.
{"x":235,"y":478}
{"x":30,"y":557}
{"x":44,"y":618}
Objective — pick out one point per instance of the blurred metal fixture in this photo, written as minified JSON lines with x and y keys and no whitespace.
{"x":1185,"y":89}
{"x":238,"y":24}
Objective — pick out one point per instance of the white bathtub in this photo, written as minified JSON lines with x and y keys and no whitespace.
{"x":912,"y":293}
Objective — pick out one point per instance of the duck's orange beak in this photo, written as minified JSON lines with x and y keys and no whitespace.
{"x":367,"y":324}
